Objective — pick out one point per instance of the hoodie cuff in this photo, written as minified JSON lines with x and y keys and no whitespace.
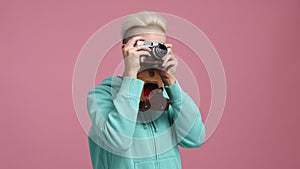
{"x":174,"y":92}
{"x":132,"y":87}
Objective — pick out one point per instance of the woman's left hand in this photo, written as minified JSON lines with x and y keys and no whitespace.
{"x":170,"y":64}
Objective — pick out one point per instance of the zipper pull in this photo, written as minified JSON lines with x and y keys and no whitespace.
{"x":153,"y":124}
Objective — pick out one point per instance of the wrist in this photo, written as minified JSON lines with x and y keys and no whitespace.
{"x":169,"y":81}
{"x":132,"y":74}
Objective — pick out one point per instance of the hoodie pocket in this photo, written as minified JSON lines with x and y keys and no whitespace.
{"x":167,"y":163}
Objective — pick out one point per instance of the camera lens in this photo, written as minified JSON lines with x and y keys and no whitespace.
{"x":160,"y":51}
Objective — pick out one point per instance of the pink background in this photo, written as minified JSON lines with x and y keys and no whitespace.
{"x":258,"y":43}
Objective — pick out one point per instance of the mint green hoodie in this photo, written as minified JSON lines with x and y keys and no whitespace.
{"x":122,"y":137}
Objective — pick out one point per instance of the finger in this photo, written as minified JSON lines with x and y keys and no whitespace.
{"x":143,"y":47}
{"x":139,"y":53}
{"x":134,"y":49}
{"x":167,"y":58}
{"x":170,"y":64}
{"x":171,"y":61}
{"x":131,"y":51}
{"x":137,"y":49}
{"x":134,"y":57}
{"x":132,"y":41}
{"x":168,"y":45}
{"x":143,"y":53}
{"x":169,"y":50}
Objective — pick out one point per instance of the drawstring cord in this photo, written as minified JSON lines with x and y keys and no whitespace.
{"x":153,"y":124}
{"x":145,"y":125}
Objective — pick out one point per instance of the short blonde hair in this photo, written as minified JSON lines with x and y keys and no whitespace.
{"x":143,"y":19}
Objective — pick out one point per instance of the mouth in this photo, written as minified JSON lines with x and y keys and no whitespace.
{"x":148,"y":87}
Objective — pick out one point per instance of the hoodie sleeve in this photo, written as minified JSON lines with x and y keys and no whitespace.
{"x":113,"y":115}
{"x":184,"y":114}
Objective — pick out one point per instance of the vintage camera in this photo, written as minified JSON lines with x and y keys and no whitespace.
{"x":158,"y":51}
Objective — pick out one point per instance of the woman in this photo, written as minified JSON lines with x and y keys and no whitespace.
{"x":122,"y":134}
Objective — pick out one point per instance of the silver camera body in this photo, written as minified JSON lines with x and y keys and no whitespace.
{"x":158,"y":51}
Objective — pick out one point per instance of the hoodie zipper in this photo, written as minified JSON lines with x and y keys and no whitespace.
{"x":154,"y":140}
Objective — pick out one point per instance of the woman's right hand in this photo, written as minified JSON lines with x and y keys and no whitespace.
{"x":131,"y":55}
